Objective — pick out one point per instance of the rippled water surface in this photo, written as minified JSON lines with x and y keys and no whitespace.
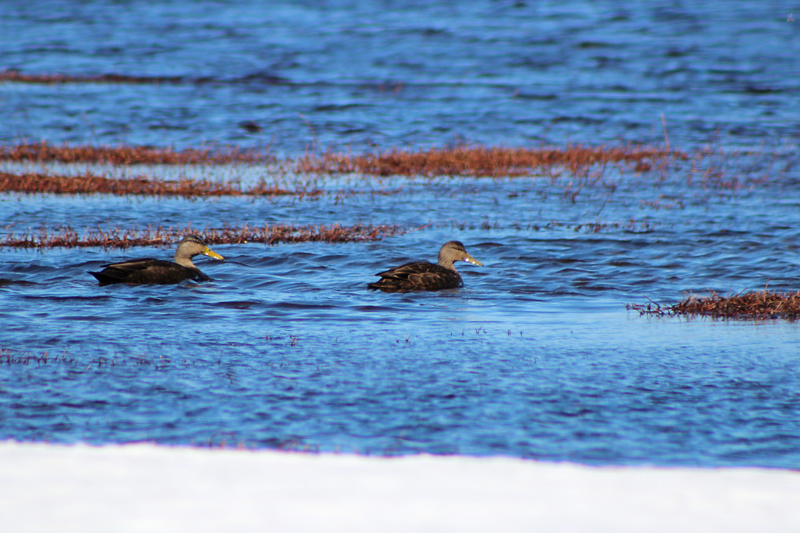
{"x":537,"y":355}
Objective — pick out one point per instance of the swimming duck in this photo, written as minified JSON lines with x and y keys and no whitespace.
{"x":424,"y":276}
{"x":155,"y":271}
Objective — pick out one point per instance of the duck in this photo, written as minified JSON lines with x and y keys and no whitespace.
{"x":158,"y":272}
{"x":425,"y":276}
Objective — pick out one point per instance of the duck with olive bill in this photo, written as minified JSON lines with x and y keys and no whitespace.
{"x":425,"y":276}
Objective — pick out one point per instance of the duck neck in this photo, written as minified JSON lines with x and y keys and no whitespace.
{"x":447,"y":264}
{"x":184,"y":261}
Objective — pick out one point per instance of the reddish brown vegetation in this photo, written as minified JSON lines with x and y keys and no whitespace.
{"x":751,"y":305}
{"x":458,"y":161}
{"x":91,"y":184}
{"x":127,"y":155}
{"x":481,"y":161}
{"x":115,"y":237}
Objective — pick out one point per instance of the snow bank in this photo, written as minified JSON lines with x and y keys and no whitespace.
{"x":144,"y":487}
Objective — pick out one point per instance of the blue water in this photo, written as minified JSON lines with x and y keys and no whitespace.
{"x":394,"y":74}
{"x":537,"y":355}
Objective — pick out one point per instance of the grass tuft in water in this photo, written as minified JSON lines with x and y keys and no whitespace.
{"x":752,"y":305}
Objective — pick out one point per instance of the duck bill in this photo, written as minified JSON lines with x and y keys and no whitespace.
{"x":211,"y":253}
{"x":469,"y":259}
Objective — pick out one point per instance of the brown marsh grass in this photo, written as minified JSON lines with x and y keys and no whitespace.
{"x":44,"y":152}
{"x":35,"y":183}
{"x":67,"y":237}
{"x":480,"y":161}
{"x":463,"y":160}
{"x":586,"y":168}
{"x":751,"y":305}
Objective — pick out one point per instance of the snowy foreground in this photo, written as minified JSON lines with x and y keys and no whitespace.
{"x":144,"y":487}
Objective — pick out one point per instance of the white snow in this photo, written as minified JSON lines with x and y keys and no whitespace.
{"x":145,"y":487}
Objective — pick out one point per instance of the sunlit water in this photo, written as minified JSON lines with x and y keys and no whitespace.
{"x":537,"y":355}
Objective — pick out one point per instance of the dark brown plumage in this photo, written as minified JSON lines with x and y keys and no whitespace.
{"x":155,"y":271}
{"x":424,"y":276}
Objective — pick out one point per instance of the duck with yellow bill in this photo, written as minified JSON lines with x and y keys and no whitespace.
{"x":155,"y":271}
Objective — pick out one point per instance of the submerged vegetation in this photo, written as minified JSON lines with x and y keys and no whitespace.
{"x":15,"y":76}
{"x":67,"y":237}
{"x":751,"y":305}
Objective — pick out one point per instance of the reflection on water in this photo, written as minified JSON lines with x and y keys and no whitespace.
{"x":536,"y":356}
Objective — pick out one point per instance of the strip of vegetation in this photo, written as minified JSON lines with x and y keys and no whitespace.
{"x":15,"y":76}
{"x":751,"y":305}
{"x":464,"y":160}
{"x":44,"y":152}
{"x":67,"y":237}
{"x":479,"y":161}
{"x":35,"y":183}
